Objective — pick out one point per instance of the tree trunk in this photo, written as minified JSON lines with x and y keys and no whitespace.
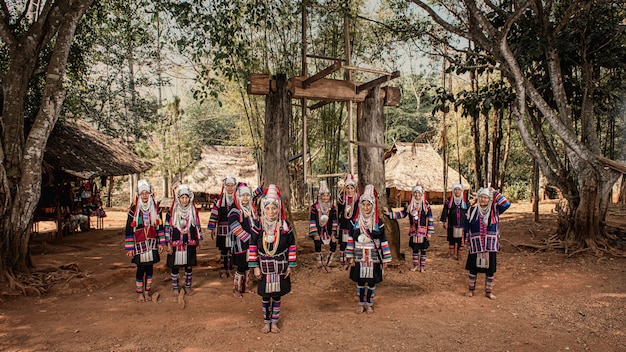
{"x":278,"y":139}
{"x":371,"y":160}
{"x":111,"y":185}
{"x":21,"y":169}
{"x":587,"y":212}
{"x":478,"y":161}
{"x":534,"y":194}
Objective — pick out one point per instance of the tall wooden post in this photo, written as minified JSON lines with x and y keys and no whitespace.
{"x":277,"y":138}
{"x":348,"y":53}
{"x":371,"y":159}
{"x":303,"y":102}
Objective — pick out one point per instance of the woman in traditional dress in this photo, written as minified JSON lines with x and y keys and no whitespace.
{"x":272,"y":254}
{"x":243,"y":221}
{"x":421,"y":226}
{"x":323,"y":226}
{"x":219,"y":220}
{"x":453,"y":218}
{"x":482,"y":234}
{"x":347,"y":206}
{"x":367,"y":251}
{"x":183,"y":233}
{"x":145,"y":239}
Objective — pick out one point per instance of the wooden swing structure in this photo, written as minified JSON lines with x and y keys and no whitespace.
{"x":323,"y":90}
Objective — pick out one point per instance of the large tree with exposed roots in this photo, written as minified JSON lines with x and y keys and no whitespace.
{"x":565,"y":60}
{"x":35,"y":40}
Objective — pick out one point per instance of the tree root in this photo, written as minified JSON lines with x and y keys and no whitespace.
{"x":553,"y":242}
{"x":40,"y":282}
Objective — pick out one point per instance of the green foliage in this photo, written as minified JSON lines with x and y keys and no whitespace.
{"x":413,"y":117}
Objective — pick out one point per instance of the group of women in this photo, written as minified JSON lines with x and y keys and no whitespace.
{"x":263,"y":241}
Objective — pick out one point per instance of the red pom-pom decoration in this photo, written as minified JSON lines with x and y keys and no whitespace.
{"x":133,"y":223}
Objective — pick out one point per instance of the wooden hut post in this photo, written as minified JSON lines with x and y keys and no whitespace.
{"x":371,"y":159}
{"x":277,"y":138}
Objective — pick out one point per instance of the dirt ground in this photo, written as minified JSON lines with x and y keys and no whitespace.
{"x":545,"y":301}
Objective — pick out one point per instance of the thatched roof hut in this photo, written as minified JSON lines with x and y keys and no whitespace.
{"x":216,"y":162}
{"x":408,"y":163}
{"x":80,"y":150}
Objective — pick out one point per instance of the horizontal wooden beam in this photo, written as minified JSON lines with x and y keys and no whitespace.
{"x":369,"y":70}
{"x":323,"y":90}
{"x":378,"y":81}
{"x":323,"y":73}
{"x":343,"y":174}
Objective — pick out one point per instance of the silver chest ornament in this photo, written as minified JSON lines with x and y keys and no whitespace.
{"x":269,"y":238}
{"x":323,"y":219}
{"x":362,"y":238}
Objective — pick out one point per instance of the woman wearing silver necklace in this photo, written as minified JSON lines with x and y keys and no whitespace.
{"x":367,"y":251}
{"x":271,"y":255}
{"x":218,"y":224}
{"x":482,"y":234}
{"x":183,"y":233}
{"x":421,"y":225}
{"x":243,"y":221}
{"x":453,"y":218}
{"x":347,"y":206}
{"x":145,"y":239}
{"x":323,"y":226}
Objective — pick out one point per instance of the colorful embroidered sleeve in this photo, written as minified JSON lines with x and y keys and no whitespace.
{"x":168,"y":227}
{"x":253,"y":256}
{"x":213,"y":217}
{"x":292,"y":256}
{"x":384,"y":246}
{"x":349,"y":252}
{"x":198,"y":225}
{"x":502,"y":203}
{"x":161,"y":232}
{"x":431,"y":223}
{"x":129,"y":241}
{"x":313,"y":221}
{"x":235,"y":226}
{"x":258,"y":192}
{"x":397,"y":214}
{"x":335,"y":226}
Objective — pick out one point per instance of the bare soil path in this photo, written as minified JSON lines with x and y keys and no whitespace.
{"x":545,"y":302}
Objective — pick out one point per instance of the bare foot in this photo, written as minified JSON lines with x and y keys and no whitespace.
{"x":140,"y":297}
{"x":415,"y":268}
{"x":237,"y":294}
{"x":369,"y":310}
{"x":147,"y":297}
{"x":155,"y":297}
{"x":490,"y":295}
{"x":422,"y":270}
{"x":189,"y":291}
{"x":224,"y":275}
{"x":469,"y":293}
{"x":360,"y":310}
{"x":266,"y":328}
{"x":275,"y":328}
{"x":175,"y":294}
